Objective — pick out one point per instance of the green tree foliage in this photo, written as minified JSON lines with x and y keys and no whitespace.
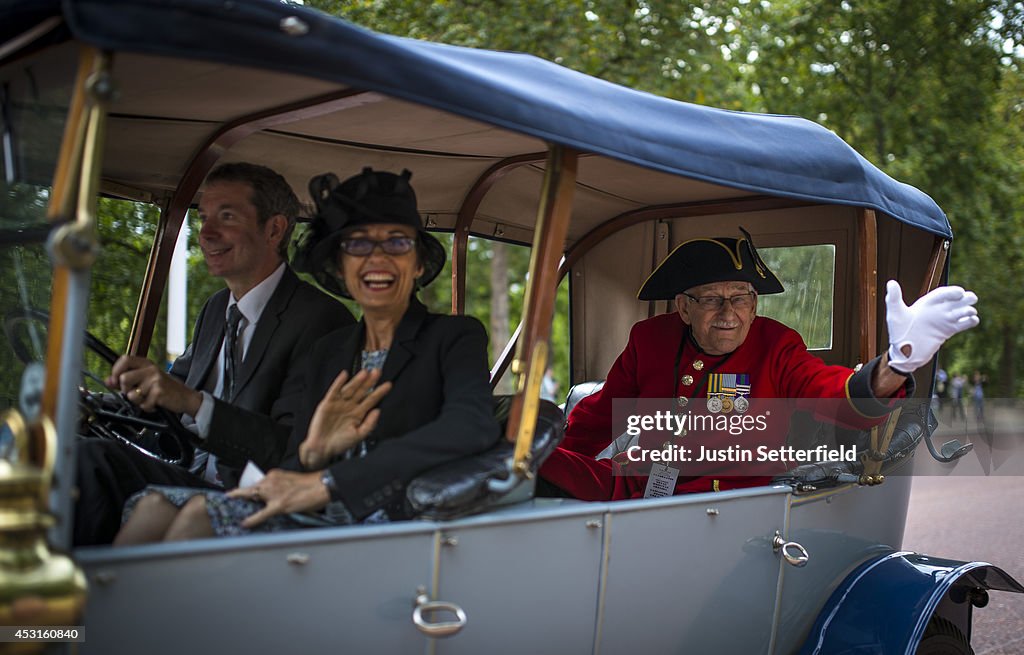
{"x":989,"y":251}
{"x":679,"y":50}
{"x":930,"y":93}
{"x":127,"y":230}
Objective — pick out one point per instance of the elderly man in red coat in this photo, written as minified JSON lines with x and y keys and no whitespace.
{"x":715,"y":335}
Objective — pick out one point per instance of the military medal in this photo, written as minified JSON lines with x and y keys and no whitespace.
{"x":729,"y":392}
{"x":718,"y":386}
{"x":742,"y":403}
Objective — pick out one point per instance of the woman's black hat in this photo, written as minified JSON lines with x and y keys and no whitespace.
{"x":368,"y":198}
{"x":710,"y":259}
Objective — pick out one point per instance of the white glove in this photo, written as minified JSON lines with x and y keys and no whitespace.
{"x":925,"y":325}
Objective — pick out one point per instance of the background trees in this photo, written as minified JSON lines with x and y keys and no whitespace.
{"x":932,"y":94}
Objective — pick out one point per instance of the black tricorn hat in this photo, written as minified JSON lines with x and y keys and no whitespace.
{"x":710,"y":259}
{"x":365,"y":199}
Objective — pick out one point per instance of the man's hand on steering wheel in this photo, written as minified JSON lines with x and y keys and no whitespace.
{"x":145,"y":385}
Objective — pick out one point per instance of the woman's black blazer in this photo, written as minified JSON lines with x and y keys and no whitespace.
{"x":438,"y":410}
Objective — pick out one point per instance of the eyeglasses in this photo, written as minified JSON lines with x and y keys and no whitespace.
{"x":362,"y":247}
{"x":714,"y":303}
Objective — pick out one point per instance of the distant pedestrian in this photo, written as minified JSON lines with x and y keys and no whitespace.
{"x":978,"y":395}
{"x":940,"y":390}
{"x":956,"y":392}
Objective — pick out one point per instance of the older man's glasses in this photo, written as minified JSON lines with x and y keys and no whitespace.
{"x":739,"y":302}
{"x":362,"y":247}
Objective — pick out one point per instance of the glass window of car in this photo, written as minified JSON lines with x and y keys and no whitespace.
{"x":808,"y":275}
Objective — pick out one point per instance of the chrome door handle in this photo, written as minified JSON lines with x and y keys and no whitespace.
{"x":423,"y":605}
{"x":794,"y":554}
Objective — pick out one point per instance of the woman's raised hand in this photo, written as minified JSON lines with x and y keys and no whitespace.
{"x":344,"y":417}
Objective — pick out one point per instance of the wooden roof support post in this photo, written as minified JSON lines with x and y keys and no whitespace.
{"x":61,"y":208}
{"x":460,"y":246}
{"x":73,"y":247}
{"x":936,"y":265}
{"x":868,"y":283}
{"x":532,"y":352}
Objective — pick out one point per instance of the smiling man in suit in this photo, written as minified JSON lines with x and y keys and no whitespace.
{"x":237,"y":383}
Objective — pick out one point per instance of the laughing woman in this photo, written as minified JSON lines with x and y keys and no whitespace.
{"x":401,"y":392}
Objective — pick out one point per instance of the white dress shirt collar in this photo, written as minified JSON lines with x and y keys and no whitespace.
{"x":253,"y":303}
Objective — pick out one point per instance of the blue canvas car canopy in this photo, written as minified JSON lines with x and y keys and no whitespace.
{"x":761,"y":154}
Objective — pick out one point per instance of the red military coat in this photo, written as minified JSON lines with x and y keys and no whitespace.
{"x":775,"y":361}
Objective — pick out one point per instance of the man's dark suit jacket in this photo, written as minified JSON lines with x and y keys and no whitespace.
{"x":438,"y":410}
{"x":254,"y":424}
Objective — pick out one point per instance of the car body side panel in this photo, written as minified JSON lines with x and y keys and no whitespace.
{"x":311,"y":591}
{"x":840,"y":529}
{"x":681,"y":577}
{"x":528,"y":586}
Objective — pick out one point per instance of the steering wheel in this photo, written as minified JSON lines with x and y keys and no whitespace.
{"x":105,"y":414}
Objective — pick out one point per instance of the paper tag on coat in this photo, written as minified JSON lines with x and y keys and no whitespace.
{"x":662,"y":481}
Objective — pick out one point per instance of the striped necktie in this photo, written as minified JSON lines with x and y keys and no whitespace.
{"x":232,"y":352}
{"x":227,"y":387}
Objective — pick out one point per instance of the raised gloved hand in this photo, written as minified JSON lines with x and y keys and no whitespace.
{"x":917,"y":332}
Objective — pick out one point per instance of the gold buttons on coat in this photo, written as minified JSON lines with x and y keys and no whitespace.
{"x":687,"y":380}
{"x":699,"y":365}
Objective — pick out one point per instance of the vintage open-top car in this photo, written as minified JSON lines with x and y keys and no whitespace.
{"x":140,"y":99}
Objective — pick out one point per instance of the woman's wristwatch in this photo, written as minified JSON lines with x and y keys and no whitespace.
{"x":335,"y":509}
{"x":327,"y":479}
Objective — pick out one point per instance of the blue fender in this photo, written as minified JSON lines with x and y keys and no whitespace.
{"x":884,"y":605}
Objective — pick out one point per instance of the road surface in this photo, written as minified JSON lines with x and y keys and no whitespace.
{"x":976,"y":518}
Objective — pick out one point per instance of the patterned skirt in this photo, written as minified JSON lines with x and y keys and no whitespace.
{"x":226,"y":514}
